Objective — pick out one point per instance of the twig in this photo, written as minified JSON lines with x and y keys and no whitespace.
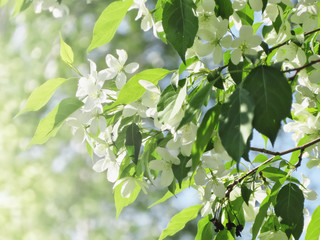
{"x":235,"y":182}
{"x":284,"y":43}
{"x":300,"y":158}
{"x":302,"y":67}
{"x":264,"y":151}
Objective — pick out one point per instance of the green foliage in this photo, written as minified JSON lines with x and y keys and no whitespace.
{"x":179,"y":221}
{"x":236,"y":123}
{"x":66,"y":52}
{"x":313,"y":231}
{"x":122,"y":202}
{"x":41,"y":95}
{"x":204,"y":134}
{"x":108,"y":23}
{"x":133,"y":142}
{"x":126,"y":95}
{"x":49,"y":126}
{"x":223,"y":8}
{"x":180,"y":24}
{"x":272,"y":94}
{"x":205,"y":229}
{"x":289,"y":206}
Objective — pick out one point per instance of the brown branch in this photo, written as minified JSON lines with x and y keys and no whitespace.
{"x":235,"y":182}
{"x":284,"y":43}
{"x":302,"y":67}
{"x":263,"y":151}
{"x":313,"y":31}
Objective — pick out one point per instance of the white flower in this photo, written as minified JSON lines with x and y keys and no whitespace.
{"x":147,"y":21}
{"x":109,"y":162}
{"x":57,"y":10}
{"x":90,"y":88}
{"x":129,"y":184}
{"x":213,"y":39}
{"x":307,"y":192}
{"x":244,"y":44}
{"x":117,"y":67}
{"x":165,"y":165}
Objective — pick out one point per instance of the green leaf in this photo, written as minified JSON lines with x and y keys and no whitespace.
{"x":18,"y":7}
{"x":170,"y":103}
{"x":264,"y":5}
{"x":313,"y":230}
{"x":246,"y":15}
{"x":271,"y":224}
{"x":108,"y":22}
{"x":235,"y":125}
{"x":49,"y":126}
{"x":169,"y":194}
{"x":224,"y":235}
{"x":236,"y":71}
{"x":289,"y":206}
{"x":146,"y":156}
{"x":264,"y":207}
{"x":132,"y":90}
{"x":133,"y":142}
{"x":180,"y":24}
{"x":205,"y":229}
{"x":181,"y":171}
{"x":41,"y":95}
{"x":196,"y":103}
{"x":122,"y":202}
{"x":260,"y":158}
{"x":272,"y":95}
{"x":245,"y":193}
{"x":204,"y":133}
{"x":223,"y":8}
{"x":66,"y":52}
{"x":179,"y":221}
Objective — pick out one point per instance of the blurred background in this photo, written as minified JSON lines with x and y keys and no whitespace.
{"x":50,"y":191}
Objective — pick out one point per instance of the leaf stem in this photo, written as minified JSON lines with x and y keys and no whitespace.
{"x":302,"y":147}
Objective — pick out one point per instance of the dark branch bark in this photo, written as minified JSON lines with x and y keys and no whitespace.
{"x":301,"y":148}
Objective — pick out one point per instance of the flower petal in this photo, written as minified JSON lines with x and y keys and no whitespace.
{"x":131,"y":67}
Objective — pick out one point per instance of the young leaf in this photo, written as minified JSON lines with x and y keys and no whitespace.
{"x":49,"y":126}
{"x":133,"y":142}
{"x":108,"y":22}
{"x":235,"y":125}
{"x":41,"y":95}
{"x":132,"y":90}
{"x":205,"y":229}
{"x":313,"y":230}
{"x":272,"y":94}
{"x":236,"y":71}
{"x":66,"y":52}
{"x":289,"y":206}
{"x":179,"y":221}
{"x":223,"y":8}
{"x":180,"y":24}
{"x":122,"y":202}
{"x":181,"y":171}
{"x":204,"y":134}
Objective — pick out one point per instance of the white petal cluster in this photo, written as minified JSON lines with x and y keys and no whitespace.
{"x":58,"y":10}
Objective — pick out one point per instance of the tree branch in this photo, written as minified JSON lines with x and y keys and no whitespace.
{"x":284,"y":43}
{"x":302,"y":67}
{"x":301,"y":148}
